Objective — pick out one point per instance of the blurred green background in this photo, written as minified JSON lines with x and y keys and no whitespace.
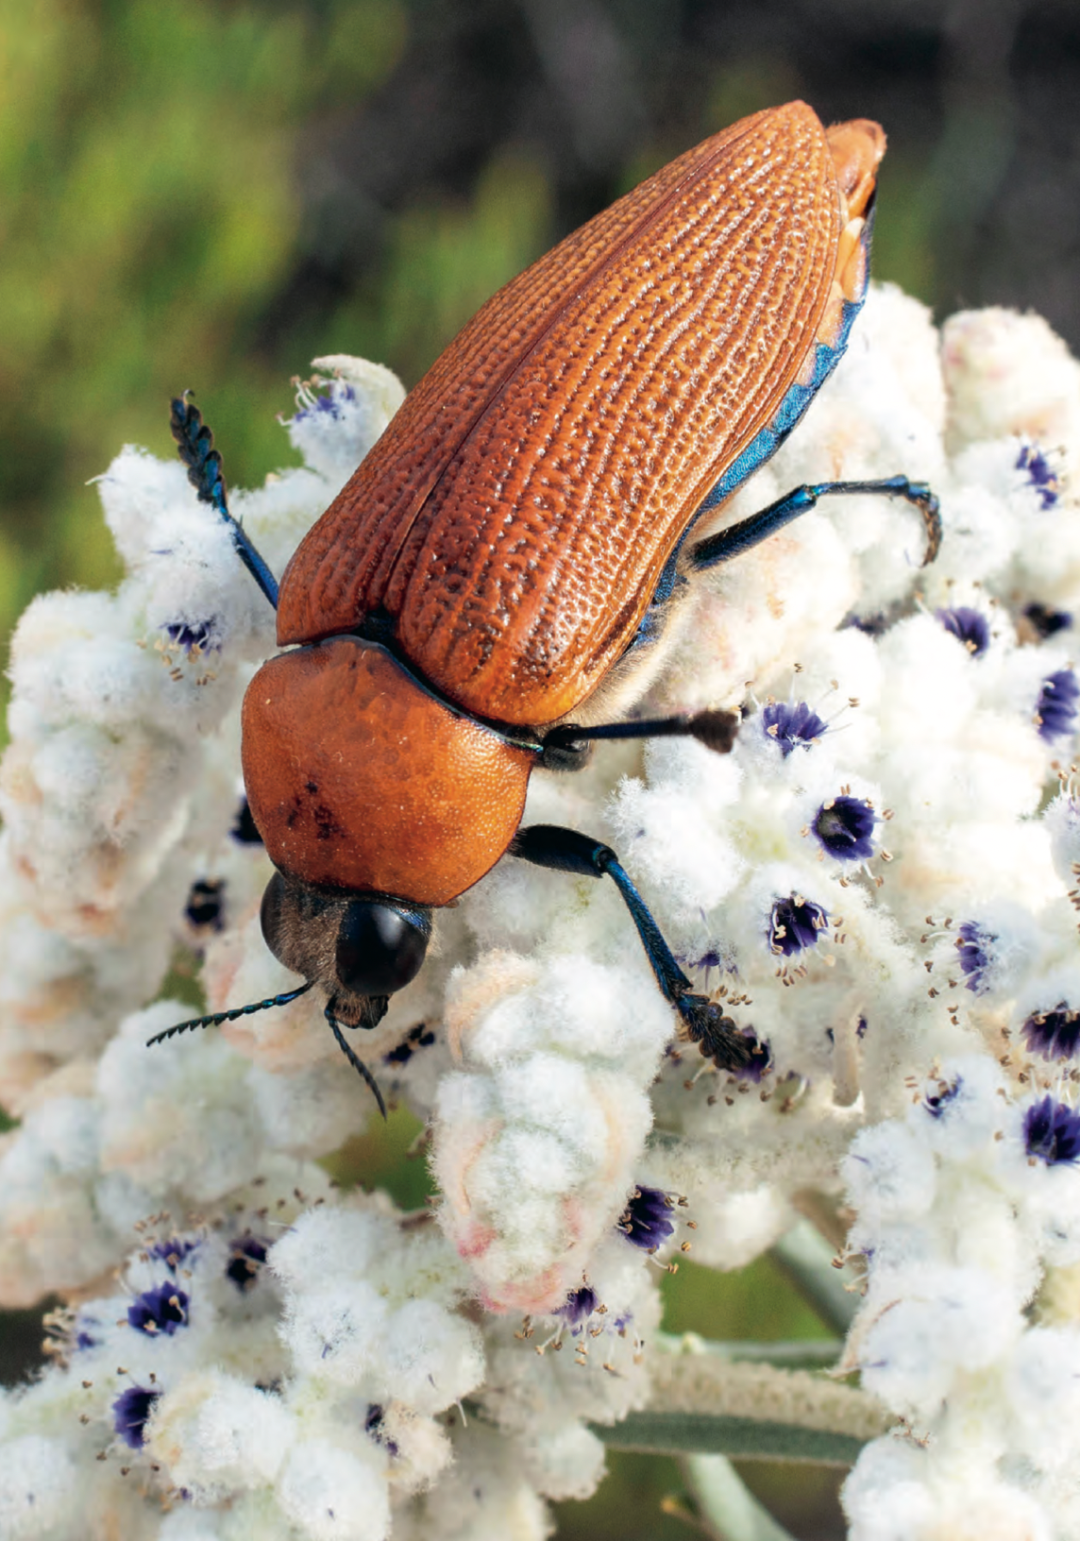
{"x":207,"y":194}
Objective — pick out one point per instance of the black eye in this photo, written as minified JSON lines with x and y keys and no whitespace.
{"x":379,"y":949}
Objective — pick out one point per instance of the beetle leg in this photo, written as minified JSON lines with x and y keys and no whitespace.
{"x":748,"y":532}
{"x":195,"y":443}
{"x":703,"y":1021}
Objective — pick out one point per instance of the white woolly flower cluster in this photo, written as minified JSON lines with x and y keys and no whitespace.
{"x":876,"y":883}
{"x":962,"y":1205}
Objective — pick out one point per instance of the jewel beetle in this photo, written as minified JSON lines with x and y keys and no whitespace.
{"x":492,"y":582}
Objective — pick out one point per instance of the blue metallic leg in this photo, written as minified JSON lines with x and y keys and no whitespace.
{"x":196,"y":445}
{"x":567,"y":850}
{"x":717,"y":730}
{"x":748,"y":532}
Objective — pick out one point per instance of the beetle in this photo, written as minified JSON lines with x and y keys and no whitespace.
{"x":492,"y":582}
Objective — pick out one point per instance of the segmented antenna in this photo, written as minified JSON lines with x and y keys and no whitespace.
{"x":215,"y":1019}
{"x":355,"y":1061}
{"x":196,"y":445}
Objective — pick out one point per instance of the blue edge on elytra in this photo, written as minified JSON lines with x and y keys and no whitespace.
{"x":763,"y":447}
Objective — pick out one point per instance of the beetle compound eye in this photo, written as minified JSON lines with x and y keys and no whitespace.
{"x":379,"y":949}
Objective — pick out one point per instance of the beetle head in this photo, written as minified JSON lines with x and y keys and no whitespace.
{"x":359,"y":947}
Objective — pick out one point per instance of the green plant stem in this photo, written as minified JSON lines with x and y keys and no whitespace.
{"x":807,"y":1259}
{"x":792,"y":1354}
{"x":726,"y":1508}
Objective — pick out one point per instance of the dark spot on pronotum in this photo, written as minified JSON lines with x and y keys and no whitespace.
{"x":326,"y":826}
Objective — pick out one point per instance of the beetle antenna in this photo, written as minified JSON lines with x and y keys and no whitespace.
{"x":196,"y":445}
{"x":354,"y":1060}
{"x":216,"y":1018}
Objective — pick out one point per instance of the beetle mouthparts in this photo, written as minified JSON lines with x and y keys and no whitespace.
{"x":354,"y":1011}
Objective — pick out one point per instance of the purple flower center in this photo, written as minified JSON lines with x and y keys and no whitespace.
{"x":971,"y":627}
{"x":973,"y":946}
{"x":845,"y":827}
{"x":248,"y":1256}
{"x":243,"y":830}
{"x":86,"y":1329}
{"x":760,"y":1059}
{"x":419,"y":1037}
{"x":173,"y":1251}
{"x":159,"y":1310}
{"x":1053,"y":1034}
{"x":131,"y":1410}
{"x":795,"y":923}
{"x":1040,"y":473}
{"x":937,"y":1101}
{"x":791,"y":726}
{"x":1048,"y":622}
{"x":373,"y":1425}
{"x":1052,"y":1132}
{"x":646,"y":1220}
{"x":710,"y":958}
{"x":194,"y":635}
{"x":205,"y":904}
{"x":328,"y":404}
{"x":579,"y":1305}
{"x":1055,"y":712}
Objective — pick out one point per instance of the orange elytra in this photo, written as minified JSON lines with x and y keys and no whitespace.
{"x":506,"y":555}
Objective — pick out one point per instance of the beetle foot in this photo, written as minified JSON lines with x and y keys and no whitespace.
{"x":720,"y":1039}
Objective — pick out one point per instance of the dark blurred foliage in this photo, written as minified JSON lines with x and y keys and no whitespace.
{"x":207,"y":194}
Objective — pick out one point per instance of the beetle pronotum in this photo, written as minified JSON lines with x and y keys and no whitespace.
{"x":492,"y":581}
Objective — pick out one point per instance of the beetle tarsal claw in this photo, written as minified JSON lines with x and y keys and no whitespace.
{"x":930,"y":508}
